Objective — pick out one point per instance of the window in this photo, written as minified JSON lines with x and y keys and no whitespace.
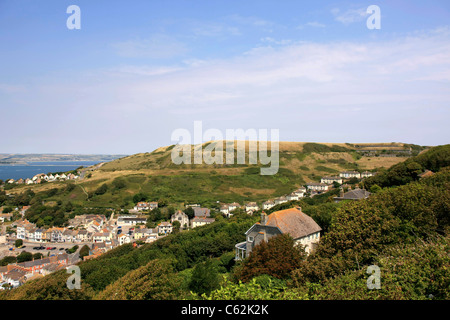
{"x":250,"y":239}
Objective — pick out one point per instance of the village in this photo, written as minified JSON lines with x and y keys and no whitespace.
{"x":102,"y":234}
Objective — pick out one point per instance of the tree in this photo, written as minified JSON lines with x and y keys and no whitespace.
{"x":276,"y":257}
{"x":18,"y":243}
{"x":190,"y":212}
{"x":205,"y":278}
{"x":375,"y":188}
{"x":102,"y":189}
{"x":84,"y":251}
{"x":37,"y":256}
{"x":138,"y":197}
{"x":176,"y":226}
{"x":119,"y":183}
{"x":24,"y":256}
{"x":154,"y":281}
{"x":7,"y":260}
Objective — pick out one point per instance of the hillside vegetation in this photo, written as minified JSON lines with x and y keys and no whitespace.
{"x":403,"y":229}
{"x":153,"y":174}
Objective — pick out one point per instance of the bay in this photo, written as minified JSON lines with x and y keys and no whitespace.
{"x":33,"y":168}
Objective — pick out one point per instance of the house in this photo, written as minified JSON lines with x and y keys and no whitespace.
{"x":225,"y":209}
{"x":251,"y":207}
{"x":83,"y":236}
{"x":350,"y":174}
{"x":150,"y":235}
{"x":182,"y":218}
{"x":101,"y":237}
{"x":165,"y":227}
{"x":123,"y":238}
{"x":131,"y":220}
{"x":56,"y":234}
{"x":268,"y":204}
{"x":202,"y":212}
{"x":23,"y":228}
{"x":5,"y":217}
{"x":201,"y":221}
{"x":315,"y":186}
{"x":38,"y":234}
{"x":426,"y":174}
{"x":280,"y":200}
{"x":301,"y":227}
{"x":51,"y":267}
{"x":69,"y":235}
{"x":367,"y":174}
{"x":356,"y":194}
{"x":140,"y":206}
{"x":292,"y":197}
{"x":300,"y":192}
{"x":233,"y":206}
{"x":15,"y":277}
{"x":28,"y":181}
{"x":331,"y":180}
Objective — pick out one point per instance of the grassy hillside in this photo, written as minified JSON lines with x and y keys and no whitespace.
{"x":154,"y":175}
{"x":402,"y":229}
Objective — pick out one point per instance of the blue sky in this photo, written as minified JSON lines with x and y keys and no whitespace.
{"x":138,"y":70}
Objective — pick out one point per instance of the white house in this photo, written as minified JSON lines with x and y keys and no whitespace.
{"x":331,"y":180}
{"x":317,"y":186}
{"x":350,"y":174}
{"x":123,"y":238}
{"x":280,"y":200}
{"x":225,"y":209}
{"x":251,"y":207}
{"x":268,"y":204}
{"x":292,"y":197}
{"x":201,"y":221}
{"x":165,"y":227}
{"x":367,"y":174}
{"x":130,"y":220}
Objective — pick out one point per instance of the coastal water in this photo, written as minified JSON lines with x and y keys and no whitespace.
{"x":28,"y":171}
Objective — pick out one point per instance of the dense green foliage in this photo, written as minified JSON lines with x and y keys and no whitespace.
{"x":277,"y":257}
{"x":402,"y":173}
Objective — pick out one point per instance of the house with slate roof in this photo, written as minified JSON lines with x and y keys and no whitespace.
{"x":356,"y":194}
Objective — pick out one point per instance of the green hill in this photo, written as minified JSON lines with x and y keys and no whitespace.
{"x":402,"y":229}
{"x":155,"y":175}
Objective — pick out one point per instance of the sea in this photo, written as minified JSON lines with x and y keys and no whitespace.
{"x":33,"y":168}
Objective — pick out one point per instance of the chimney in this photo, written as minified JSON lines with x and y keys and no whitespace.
{"x":263,"y":218}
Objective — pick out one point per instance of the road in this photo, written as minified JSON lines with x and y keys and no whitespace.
{"x":28,"y":246}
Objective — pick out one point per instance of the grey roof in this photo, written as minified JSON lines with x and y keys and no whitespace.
{"x":202,"y":212}
{"x":356,"y":194}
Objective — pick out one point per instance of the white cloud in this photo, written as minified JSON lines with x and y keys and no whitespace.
{"x":315,"y":24}
{"x":155,"y":47}
{"x":310,"y":91}
{"x":350,"y":16}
